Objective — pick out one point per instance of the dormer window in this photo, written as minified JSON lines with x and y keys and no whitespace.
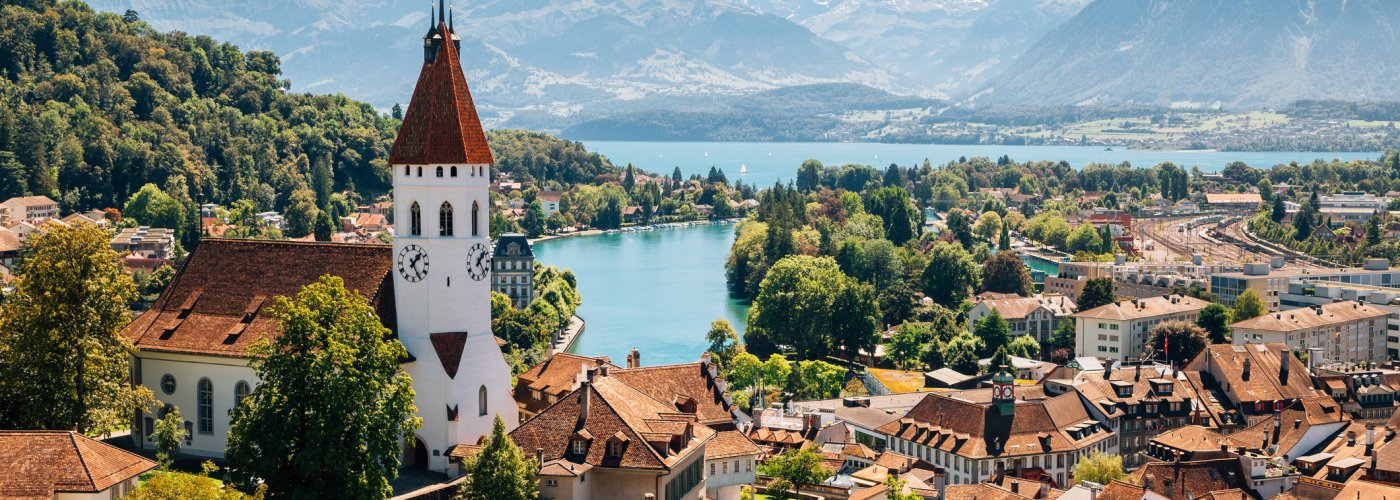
{"x":614,"y":449}
{"x":578,"y":446}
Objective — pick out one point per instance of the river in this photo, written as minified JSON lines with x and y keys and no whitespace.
{"x":770,"y":162}
{"x":659,"y":290}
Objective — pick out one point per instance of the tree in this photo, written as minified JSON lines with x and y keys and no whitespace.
{"x":533,"y":222}
{"x":993,"y":331}
{"x":896,"y":489}
{"x":960,"y":227}
{"x":724,"y":343}
{"x":1097,"y":292}
{"x":1215,"y":320}
{"x":324,"y":227}
{"x":1278,"y":210}
{"x":1004,"y":238}
{"x":1024,"y":346}
{"x":809,"y":176}
{"x":301,"y":213}
{"x":951,"y":275}
{"x":1084,"y":239}
{"x":960,"y":353}
{"x":168,"y":485}
{"x":500,"y":471}
{"x":1176,"y":342}
{"x":169,"y":432}
{"x":1248,"y":305}
{"x":820,"y":380}
{"x":796,"y":304}
{"x":1099,"y":468}
{"x":336,"y":433}
{"x":776,"y":371}
{"x":63,"y":359}
{"x":896,"y":210}
{"x":906,"y":346}
{"x":792,"y":469}
{"x":1006,"y":273}
{"x":1064,"y":335}
{"x":744,"y":371}
{"x":152,"y":207}
{"x":988,"y":226}
{"x":855,"y":319}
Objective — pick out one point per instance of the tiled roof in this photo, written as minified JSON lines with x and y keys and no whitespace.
{"x":1020,"y":308}
{"x":218,"y":302}
{"x":38,"y":464}
{"x":1307,"y":318}
{"x":30,"y":201}
{"x":1264,"y":382}
{"x":669,"y":383}
{"x":730,"y":444}
{"x":982,"y":491}
{"x":441,"y":124}
{"x":615,"y":410}
{"x":1195,"y":438}
{"x":1294,"y":423}
{"x":9,"y":241}
{"x":1183,"y":480}
{"x":978,"y":430}
{"x":1144,"y":308}
{"x":559,"y":374}
{"x":1104,"y":392}
{"x":1365,"y":489}
{"x":449,"y":348}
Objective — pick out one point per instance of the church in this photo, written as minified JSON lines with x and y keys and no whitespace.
{"x":431,"y":288}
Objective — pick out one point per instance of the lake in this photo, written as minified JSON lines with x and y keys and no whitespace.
{"x":657,"y":290}
{"x":770,"y":162}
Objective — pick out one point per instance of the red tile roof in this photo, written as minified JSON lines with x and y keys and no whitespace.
{"x":672,"y":383}
{"x":38,"y":464}
{"x":978,"y":430}
{"x":218,"y":302}
{"x":441,"y":124}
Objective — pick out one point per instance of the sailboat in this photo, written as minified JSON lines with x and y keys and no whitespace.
{"x":707,"y":154}
{"x":743,"y":169}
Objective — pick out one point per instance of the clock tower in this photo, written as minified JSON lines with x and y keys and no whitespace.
{"x":442,"y":260}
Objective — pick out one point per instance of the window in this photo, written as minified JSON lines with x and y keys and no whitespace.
{"x":551,"y":482}
{"x":445,"y":219}
{"x":167,"y":384}
{"x":240,"y":392}
{"x":189,"y":433}
{"x":580,"y":447}
{"x":481,"y":400}
{"x":439,"y":171}
{"x":615,"y":448}
{"x":206,"y":406}
{"x":712,"y":468}
{"x":454,"y":171}
{"x":150,"y":427}
{"x":407,"y":170}
{"x":476,"y":219}
{"x":415,"y":220}
{"x":420,"y":171}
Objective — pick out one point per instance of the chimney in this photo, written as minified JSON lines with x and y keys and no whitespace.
{"x":539,"y":456}
{"x":583,"y":399}
{"x":1138,"y":374}
{"x":1015,"y":487}
{"x":1245,"y":375}
{"x":1370,"y":438}
{"x":1108,"y":370}
{"x":634,"y":360}
{"x":1283,"y":362}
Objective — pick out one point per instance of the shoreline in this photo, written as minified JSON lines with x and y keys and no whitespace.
{"x":635,"y":228}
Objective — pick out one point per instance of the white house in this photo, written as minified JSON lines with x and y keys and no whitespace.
{"x":1118,"y":331}
{"x":193,"y":342}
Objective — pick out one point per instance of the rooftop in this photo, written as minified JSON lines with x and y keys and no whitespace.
{"x":441,"y":124}
{"x":39,"y":464}
{"x":1144,"y":308}
{"x":1319,"y":316}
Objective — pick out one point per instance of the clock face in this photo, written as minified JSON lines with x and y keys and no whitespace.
{"x":479,"y":261}
{"x":413,"y":263}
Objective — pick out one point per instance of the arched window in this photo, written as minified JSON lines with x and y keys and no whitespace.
{"x":445,"y":219}
{"x":206,"y":406}
{"x":415,"y":220}
{"x":439,"y":171}
{"x":407,"y":170}
{"x":476,"y":219}
{"x":454,"y":171}
{"x":240,"y":392}
{"x":420,"y":171}
{"x":481,"y":400}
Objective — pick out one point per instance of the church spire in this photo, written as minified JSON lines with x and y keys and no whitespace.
{"x":441,"y":125}
{"x":442,"y":11}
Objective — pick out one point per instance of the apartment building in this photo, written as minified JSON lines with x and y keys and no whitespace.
{"x":1034,"y":316}
{"x":1339,"y":331}
{"x":1119,"y":331}
{"x":1271,"y":284}
{"x":1308,"y":293}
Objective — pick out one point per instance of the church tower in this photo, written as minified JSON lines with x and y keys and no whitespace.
{"x":442,"y":260}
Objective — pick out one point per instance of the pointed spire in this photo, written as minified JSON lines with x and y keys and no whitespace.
{"x":442,"y":11}
{"x":451,"y":16}
{"x":432,"y":19}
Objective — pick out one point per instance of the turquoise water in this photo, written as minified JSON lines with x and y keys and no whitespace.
{"x":1042,"y":265}
{"x":657,"y":290}
{"x":770,"y":162}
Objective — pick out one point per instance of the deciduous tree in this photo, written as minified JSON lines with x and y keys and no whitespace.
{"x":1176,"y":342}
{"x":501,"y":471}
{"x":1099,"y":468}
{"x":792,"y":469}
{"x":1097,"y":292}
{"x":333,"y":403}
{"x":1006,"y":273}
{"x":1215,"y":319}
{"x":951,"y":275}
{"x":1248,"y":305}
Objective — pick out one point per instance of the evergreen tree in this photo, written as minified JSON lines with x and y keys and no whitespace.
{"x":335,"y":434}
{"x":893,"y":177}
{"x":501,"y":471}
{"x":1278,"y":210}
{"x":63,"y":359}
{"x":994,"y":332}
{"x":1004,"y":239}
{"x":1215,"y":320}
{"x":1097,"y":292}
{"x":809,"y":176}
{"x":629,"y":182}
{"x":397,"y":112}
{"x":324,"y":227}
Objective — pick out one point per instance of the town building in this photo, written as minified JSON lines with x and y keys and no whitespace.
{"x":1365,"y":394}
{"x":1340,"y":331}
{"x":1137,"y":403}
{"x":515,"y":269}
{"x":1271,"y":283}
{"x":1240,"y":384}
{"x":1354,"y":199}
{"x":10,"y":246}
{"x":731,"y":461}
{"x":610,"y":440}
{"x":1192,"y":446}
{"x":977,"y":434}
{"x":1308,"y":293}
{"x":1133,"y":279}
{"x":1120,"y":330}
{"x":1234,"y":201}
{"x":31,"y":209}
{"x":192,"y":344}
{"x":145,"y":243}
{"x":555,"y":378}
{"x":549,"y":201}
{"x":66,"y":465}
{"x":1034,"y":316}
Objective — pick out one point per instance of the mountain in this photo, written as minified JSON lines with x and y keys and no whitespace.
{"x":1234,"y":53}
{"x":940,"y":47}
{"x":535,"y":61}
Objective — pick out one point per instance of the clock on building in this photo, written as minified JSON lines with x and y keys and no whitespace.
{"x":479,"y":261}
{"x":413,"y":263}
